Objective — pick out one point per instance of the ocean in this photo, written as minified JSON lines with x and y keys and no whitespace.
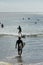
{"x":31,"y":24}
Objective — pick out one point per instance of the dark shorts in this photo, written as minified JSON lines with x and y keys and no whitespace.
{"x":19,"y":50}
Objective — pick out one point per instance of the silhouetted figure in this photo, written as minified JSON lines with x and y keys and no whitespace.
{"x":20,"y":30}
{"x":2,"y":25}
{"x":28,"y":18}
{"x":35,"y":22}
{"x":23,"y":18}
{"x":19,"y":42}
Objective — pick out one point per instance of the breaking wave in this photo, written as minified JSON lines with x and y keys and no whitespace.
{"x":23,"y":34}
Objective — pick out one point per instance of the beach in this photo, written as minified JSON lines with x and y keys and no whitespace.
{"x":33,"y":49}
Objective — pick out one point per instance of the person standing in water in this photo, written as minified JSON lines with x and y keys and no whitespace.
{"x":19,"y":28}
{"x":19,"y":42}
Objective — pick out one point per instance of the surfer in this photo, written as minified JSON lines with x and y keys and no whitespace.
{"x":2,"y":25}
{"x":19,"y":42}
{"x":19,"y":28}
{"x":35,"y":22}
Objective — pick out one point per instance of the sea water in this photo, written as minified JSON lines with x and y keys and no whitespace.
{"x":31,"y":23}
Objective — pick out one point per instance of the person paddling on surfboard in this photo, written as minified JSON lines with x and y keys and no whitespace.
{"x":20,"y":46}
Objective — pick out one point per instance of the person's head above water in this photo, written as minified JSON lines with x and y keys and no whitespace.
{"x":19,"y":38}
{"x":19,"y":26}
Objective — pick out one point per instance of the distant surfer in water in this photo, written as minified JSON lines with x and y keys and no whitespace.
{"x":1,"y":25}
{"x":19,"y":28}
{"x":20,"y":32}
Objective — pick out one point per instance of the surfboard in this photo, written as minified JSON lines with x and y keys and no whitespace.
{"x":23,"y":44}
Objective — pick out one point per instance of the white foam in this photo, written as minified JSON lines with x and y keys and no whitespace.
{"x":11,"y":57}
{"x":4,"y":63}
{"x":23,"y":34}
{"x":29,"y":64}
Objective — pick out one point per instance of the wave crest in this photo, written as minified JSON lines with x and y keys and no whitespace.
{"x":23,"y":34}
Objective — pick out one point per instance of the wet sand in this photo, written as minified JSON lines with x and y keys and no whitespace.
{"x":6,"y":63}
{"x":16,"y":61}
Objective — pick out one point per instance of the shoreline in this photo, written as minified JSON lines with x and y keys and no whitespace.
{"x":7,"y":63}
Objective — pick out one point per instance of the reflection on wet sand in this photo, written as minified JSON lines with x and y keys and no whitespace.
{"x":15,"y":60}
{"x":19,"y":59}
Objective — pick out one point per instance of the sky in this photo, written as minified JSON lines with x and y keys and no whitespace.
{"x":21,"y":5}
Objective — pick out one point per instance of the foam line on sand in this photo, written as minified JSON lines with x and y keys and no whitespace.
{"x":6,"y":63}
